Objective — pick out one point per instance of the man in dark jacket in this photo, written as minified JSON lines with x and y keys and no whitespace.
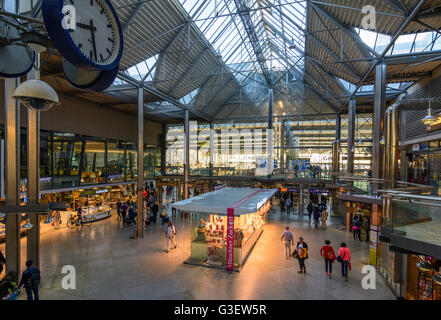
{"x":310,"y":209}
{"x":155,"y":209}
{"x":316,"y":216}
{"x":30,"y":279}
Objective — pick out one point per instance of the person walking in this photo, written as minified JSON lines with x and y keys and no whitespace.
{"x":288,"y":238}
{"x":282,"y":205}
{"x":324,"y":218}
{"x":310,"y":209}
{"x":30,"y":279}
{"x":118,"y":210}
{"x":170,"y":234}
{"x":155,"y":209}
{"x":288,"y":206}
{"x":163,"y":215}
{"x":356,"y":227}
{"x":57,"y":219}
{"x":173,"y":210}
{"x":327,"y":252}
{"x":302,"y":254}
{"x":316,"y":216}
{"x":132,"y":215}
{"x":124,"y":208}
{"x":344,"y":257}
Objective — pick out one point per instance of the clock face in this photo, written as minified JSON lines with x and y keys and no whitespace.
{"x":96,"y":34}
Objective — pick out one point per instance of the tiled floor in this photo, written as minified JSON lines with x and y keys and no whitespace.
{"x":109,"y":265}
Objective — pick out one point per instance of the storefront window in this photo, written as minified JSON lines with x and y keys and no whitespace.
{"x":131,"y":160}
{"x":67,"y":151}
{"x":152,"y":160}
{"x":93,"y":164}
{"x":115,"y":162}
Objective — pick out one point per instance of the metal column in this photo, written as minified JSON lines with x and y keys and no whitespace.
{"x":163,"y":149}
{"x":12,"y":176}
{"x":336,"y":146}
{"x":394,"y":145}
{"x":351,"y":135}
{"x":186,"y":152}
{"x":378,"y":127}
{"x":270,"y":133}
{"x":33,"y":168}
{"x":387,"y":143}
{"x":211,"y":148}
{"x":140,"y":180}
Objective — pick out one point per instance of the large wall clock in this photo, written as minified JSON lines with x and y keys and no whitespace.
{"x":95,"y":41}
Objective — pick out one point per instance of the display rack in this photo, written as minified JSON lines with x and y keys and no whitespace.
{"x":425,"y":283}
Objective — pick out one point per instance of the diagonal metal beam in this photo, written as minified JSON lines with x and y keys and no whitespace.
{"x":133,"y":15}
{"x":400,"y":30}
{"x":161,"y":95}
{"x":365,"y":49}
{"x":244,"y":14}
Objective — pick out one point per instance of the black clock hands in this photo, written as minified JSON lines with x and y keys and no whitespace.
{"x":93,"y":29}
{"x":86,"y":26}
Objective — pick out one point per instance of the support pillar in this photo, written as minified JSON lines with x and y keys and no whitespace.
{"x":378,"y":126}
{"x":394,"y":145}
{"x":12,"y":176}
{"x":351,"y":135}
{"x":163,"y":149}
{"x":33,"y":172}
{"x":270,"y":134}
{"x":387,"y":144}
{"x":186,"y":152}
{"x":335,"y":149}
{"x":140,"y":179}
{"x":211,"y":148}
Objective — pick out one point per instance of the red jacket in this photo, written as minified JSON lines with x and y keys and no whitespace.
{"x":324,"y":252}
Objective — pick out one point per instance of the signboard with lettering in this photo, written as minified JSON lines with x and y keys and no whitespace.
{"x":230,"y":239}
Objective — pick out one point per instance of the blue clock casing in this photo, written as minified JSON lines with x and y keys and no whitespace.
{"x":61,"y":39}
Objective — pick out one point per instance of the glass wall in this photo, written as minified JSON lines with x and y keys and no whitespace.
{"x":69,"y":160}
{"x":238,"y":147}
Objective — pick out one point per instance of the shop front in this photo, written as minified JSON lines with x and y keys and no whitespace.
{"x":225,"y":226}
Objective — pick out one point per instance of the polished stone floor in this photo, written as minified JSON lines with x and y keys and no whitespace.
{"x":109,"y":265}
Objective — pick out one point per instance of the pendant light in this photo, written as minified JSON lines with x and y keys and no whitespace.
{"x":429,"y":119}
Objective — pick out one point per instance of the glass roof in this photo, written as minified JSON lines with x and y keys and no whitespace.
{"x":407,"y":43}
{"x":276,"y":24}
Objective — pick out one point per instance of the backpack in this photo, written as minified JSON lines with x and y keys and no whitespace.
{"x":34,"y":276}
{"x":330,"y":255}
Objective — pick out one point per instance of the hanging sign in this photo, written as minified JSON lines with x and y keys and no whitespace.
{"x":230,"y":231}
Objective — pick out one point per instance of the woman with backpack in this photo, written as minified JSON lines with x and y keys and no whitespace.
{"x":344,"y":257}
{"x":327,"y":252}
{"x":302,"y":254}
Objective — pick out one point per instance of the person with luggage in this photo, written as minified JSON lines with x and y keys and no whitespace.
{"x":344,"y":257}
{"x":30,"y":279}
{"x":328,"y":254}
{"x":302,"y":254}
{"x":163,"y":215}
{"x":170,"y":235}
